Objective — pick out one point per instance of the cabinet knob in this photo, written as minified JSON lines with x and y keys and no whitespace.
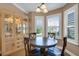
{"x":18,"y":42}
{"x":18,"y":46}
{"x":17,"y":39}
{"x":13,"y":44}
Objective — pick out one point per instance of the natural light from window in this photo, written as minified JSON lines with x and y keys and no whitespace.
{"x":53,"y":24}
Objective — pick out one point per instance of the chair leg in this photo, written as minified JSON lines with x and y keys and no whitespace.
{"x":25,"y":52}
{"x":43,"y":52}
{"x":62,"y":54}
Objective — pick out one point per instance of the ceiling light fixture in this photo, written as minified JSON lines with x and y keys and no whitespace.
{"x":38,"y":10}
{"x":42,"y":8}
{"x":45,"y":11}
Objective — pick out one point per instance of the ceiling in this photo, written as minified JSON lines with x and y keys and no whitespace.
{"x":31,"y":7}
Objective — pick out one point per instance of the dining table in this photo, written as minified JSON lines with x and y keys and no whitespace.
{"x":43,"y":43}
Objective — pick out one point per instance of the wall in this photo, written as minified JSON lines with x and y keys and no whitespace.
{"x":0,"y":36}
{"x":68,"y":5}
{"x":59,"y":10}
{"x":31,"y":22}
{"x":11,"y":8}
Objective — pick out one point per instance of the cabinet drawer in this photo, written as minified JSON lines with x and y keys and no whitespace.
{"x":19,"y":46}
{"x":8,"y":40}
{"x":19,"y":39}
{"x":19,"y":42}
{"x":9,"y":47}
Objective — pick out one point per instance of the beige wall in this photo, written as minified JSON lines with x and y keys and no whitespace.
{"x":55,"y":11}
{"x":31,"y":22}
{"x":68,"y":5}
{"x":0,"y":35}
{"x":10,"y":8}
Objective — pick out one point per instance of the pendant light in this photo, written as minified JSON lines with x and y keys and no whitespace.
{"x":42,"y":8}
{"x":38,"y":10}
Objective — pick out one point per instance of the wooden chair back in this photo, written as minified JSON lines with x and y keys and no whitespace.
{"x":26,"y":46}
{"x":64,"y":46}
{"x":32,"y":35}
{"x":52,"y":35}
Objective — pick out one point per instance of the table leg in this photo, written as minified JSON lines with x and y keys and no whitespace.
{"x":43,"y":51}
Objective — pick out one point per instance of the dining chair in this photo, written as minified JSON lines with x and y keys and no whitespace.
{"x":34,"y":50}
{"x":54,"y":51}
{"x":51,"y":35}
{"x":32,"y":35}
{"x":26,"y":45}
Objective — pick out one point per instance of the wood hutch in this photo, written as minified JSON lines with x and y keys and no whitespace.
{"x":13,"y":27}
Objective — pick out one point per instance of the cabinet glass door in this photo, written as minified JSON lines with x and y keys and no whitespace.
{"x":8,"y":23}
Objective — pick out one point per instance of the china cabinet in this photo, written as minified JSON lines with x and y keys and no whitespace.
{"x":12,"y":30}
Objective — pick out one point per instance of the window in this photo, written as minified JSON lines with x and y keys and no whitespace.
{"x":53,"y":24}
{"x":71,"y":29}
{"x":39,"y":25}
{"x":70,"y":26}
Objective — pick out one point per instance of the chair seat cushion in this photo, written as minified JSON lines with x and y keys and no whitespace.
{"x":35,"y":51}
{"x":54,"y":51}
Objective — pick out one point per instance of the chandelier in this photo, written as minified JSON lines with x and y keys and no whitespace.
{"x":42,"y":8}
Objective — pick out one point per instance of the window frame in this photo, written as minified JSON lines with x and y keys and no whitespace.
{"x":66,"y":12}
{"x":60,"y":24}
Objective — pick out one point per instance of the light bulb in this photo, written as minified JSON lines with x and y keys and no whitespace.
{"x":18,"y":21}
{"x":45,"y":11}
{"x":43,"y":6}
{"x":10,"y":19}
{"x":38,"y":10}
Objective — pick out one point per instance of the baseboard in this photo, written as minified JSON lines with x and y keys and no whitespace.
{"x":70,"y":53}
{"x":67,"y":51}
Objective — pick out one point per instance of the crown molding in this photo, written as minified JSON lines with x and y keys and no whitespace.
{"x":20,"y":8}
